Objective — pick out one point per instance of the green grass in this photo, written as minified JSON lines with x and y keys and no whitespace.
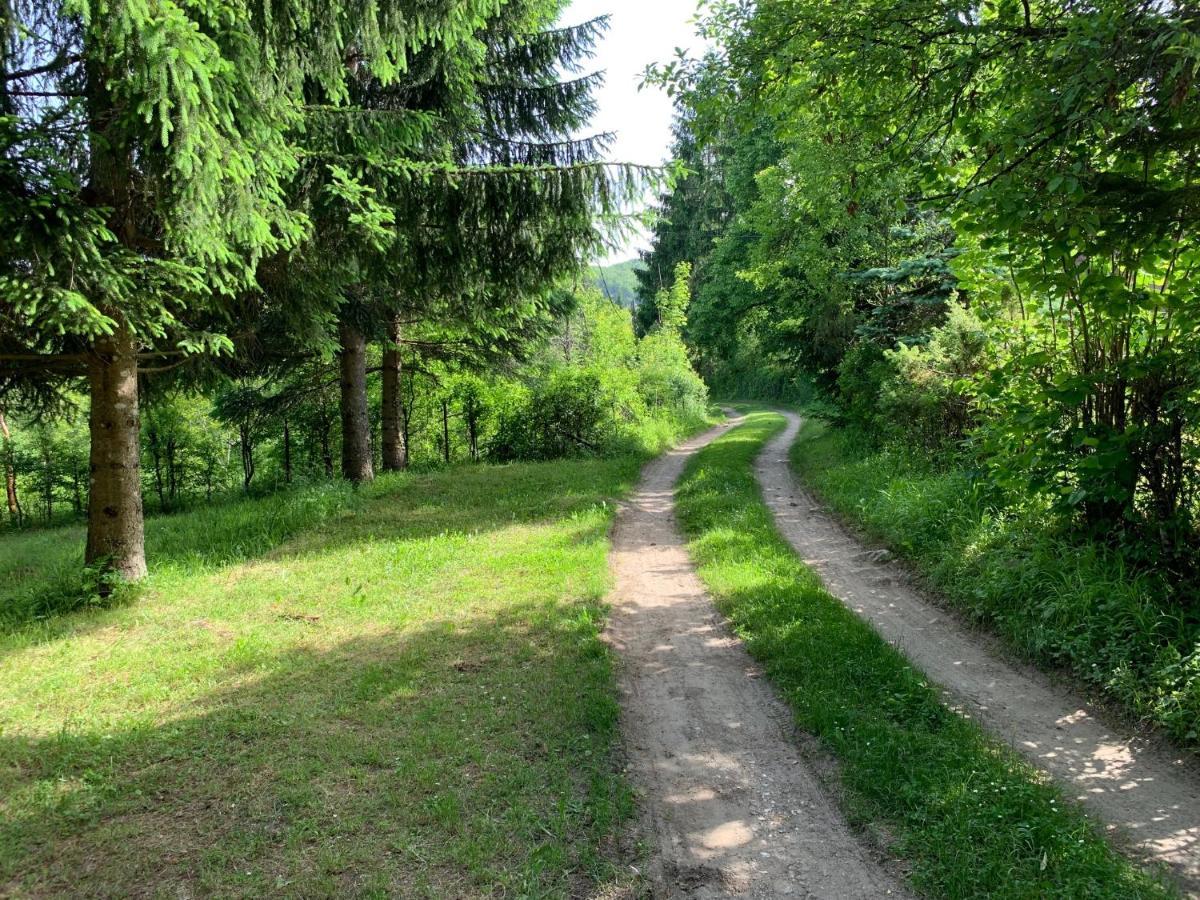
{"x":327,"y":693}
{"x":40,"y":570}
{"x":1058,"y":600}
{"x":967,"y":815}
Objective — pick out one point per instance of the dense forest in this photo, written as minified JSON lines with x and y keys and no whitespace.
{"x":967,"y":237}
{"x":245,"y":250}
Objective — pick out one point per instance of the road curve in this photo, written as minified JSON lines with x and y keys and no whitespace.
{"x":1148,"y":799}
{"x":730,"y":807}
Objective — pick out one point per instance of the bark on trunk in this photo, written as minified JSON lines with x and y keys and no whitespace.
{"x":287,"y":452}
{"x":10,"y":473}
{"x":115,"y":530}
{"x":357,"y":465}
{"x":395,"y":449}
{"x":446,"y":430}
{"x":116,"y":537}
{"x":247,"y":445}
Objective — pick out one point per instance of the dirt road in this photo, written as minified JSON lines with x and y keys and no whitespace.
{"x":730,"y":806}
{"x":1149,"y":799}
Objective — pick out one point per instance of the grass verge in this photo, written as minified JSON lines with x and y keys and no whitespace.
{"x":1060,"y":601}
{"x":967,"y":815}
{"x":395,"y":692}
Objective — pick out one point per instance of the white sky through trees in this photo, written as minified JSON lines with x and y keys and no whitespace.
{"x":641,"y":32}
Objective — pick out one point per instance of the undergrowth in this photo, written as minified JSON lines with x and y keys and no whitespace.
{"x":1059,"y":600}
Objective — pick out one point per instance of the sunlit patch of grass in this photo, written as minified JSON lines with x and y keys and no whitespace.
{"x":395,"y":691}
{"x":968,"y":816}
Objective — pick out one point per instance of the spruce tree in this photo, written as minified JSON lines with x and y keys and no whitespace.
{"x":147,"y":155}
{"x":524,"y":115}
{"x":491,"y":201}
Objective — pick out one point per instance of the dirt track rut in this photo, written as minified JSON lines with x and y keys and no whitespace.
{"x":1148,"y":798}
{"x":730,"y":806}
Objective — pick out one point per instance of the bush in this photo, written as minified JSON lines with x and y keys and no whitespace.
{"x":861,"y":376}
{"x":568,"y":415}
{"x":604,"y":392}
{"x":666,"y":381}
{"x":925,"y":395}
{"x":766,"y":382}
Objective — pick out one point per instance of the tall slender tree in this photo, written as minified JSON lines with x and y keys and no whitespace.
{"x":492,"y":203}
{"x":153,"y":158}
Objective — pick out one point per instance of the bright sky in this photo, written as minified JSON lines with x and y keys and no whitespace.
{"x":641,"y":32}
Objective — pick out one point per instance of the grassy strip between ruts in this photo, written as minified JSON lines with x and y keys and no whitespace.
{"x":397,"y":693}
{"x":966,"y":814}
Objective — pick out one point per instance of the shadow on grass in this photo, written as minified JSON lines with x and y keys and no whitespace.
{"x":41,"y":580}
{"x":473,"y":500}
{"x":455,"y":758}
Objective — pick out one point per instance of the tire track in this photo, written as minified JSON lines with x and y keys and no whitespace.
{"x":730,"y":807}
{"x":1149,"y":800}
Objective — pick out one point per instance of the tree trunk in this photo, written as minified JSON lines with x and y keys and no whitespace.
{"x":406,"y":410}
{"x":48,"y":478}
{"x":247,"y":457}
{"x":395,"y":447}
{"x":405,"y":425}
{"x":326,"y":449}
{"x":156,"y":455}
{"x":357,"y":464}
{"x":172,"y":474}
{"x":446,"y":430}
{"x":471,"y":413}
{"x":76,"y":487}
{"x":287,"y":452}
{"x":116,"y":538}
{"x":10,"y":473}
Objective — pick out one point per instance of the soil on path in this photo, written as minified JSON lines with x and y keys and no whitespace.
{"x":731,"y":808}
{"x":1148,"y":798}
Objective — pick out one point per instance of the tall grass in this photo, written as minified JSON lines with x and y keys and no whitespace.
{"x":1059,"y":600}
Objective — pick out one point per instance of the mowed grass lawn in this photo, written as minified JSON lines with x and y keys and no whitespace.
{"x":401,"y":691}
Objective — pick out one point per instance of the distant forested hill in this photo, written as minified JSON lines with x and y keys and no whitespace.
{"x":618,"y":282}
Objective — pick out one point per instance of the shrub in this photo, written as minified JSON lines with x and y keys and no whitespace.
{"x":604,"y":392}
{"x":926,"y":393}
{"x":861,"y":376}
{"x":666,"y":380}
{"x":566,"y":415}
